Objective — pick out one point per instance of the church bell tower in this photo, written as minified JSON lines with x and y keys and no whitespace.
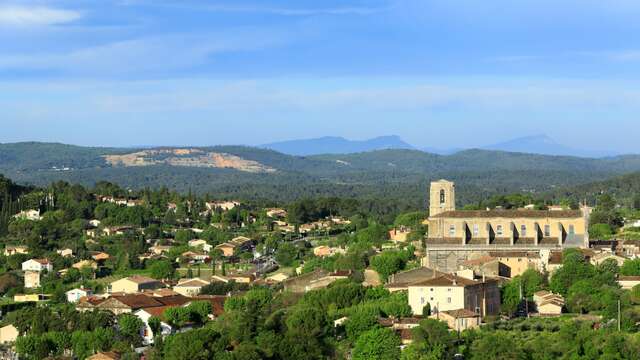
{"x":442,"y":197}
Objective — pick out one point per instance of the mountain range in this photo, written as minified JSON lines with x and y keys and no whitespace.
{"x":534,"y":144}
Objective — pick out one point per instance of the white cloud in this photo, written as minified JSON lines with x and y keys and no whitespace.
{"x":140,"y":56}
{"x":13,"y":15}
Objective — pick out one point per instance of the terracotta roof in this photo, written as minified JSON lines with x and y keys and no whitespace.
{"x":555,"y":258}
{"x":479,"y":261}
{"x":157,"y":311}
{"x":174,"y":300}
{"x":139,"y":279}
{"x":42,"y":261}
{"x":193,"y":283}
{"x":446,"y":280}
{"x":138,"y":301}
{"x":628,"y":278}
{"x":217,"y":302}
{"x":521,"y":254}
{"x":564,"y":214}
{"x":461,"y":313}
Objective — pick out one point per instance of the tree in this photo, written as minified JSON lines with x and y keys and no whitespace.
{"x":307,"y":321}
{"x":387,"y":263}
{"x":155,"y":325}
{"x":496,"y":346}
{"x":361,"y":320}
{"x":130,"y":327}
{"x":380,"y":343}
{"x":162,"y":269}
{"x":574,"y":267}
{"x":200,"y":311}
{"x":286,"y":254}
{"x":630,"y":267}
{"x":431,"y":340}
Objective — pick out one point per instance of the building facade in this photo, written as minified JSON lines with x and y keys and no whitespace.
{"x":455,"y":236}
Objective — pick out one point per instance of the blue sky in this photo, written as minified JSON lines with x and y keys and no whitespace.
{"x":446,"y":73}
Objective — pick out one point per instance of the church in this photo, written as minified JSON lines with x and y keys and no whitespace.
{"x":459,"y":235}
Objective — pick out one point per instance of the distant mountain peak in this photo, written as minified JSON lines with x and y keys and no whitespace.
{"x":337,"y":145}
{"x":544,"y":145}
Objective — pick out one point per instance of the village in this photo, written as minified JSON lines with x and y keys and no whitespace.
{"x":186,"y":272}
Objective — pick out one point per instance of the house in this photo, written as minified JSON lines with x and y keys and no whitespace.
{"x":222,"y":205}
{"x":317,"y":279}
{"x":277,"y":278}
{"x":399,"y":234}
{"x":94,"y":223}
{"x":190,"y":287}
{"x":324,"y":250}
{"x":109,"y":355}
{"x":548,"y":303}
{"x":600,"y":257}
{"x":116,"y":230}
{"x":31,"y":279}
{"x":145,"y":314}
{"x":628,"y":282}
{"x":31,"y":297}
{"x":65,"y":252}
{"x":160,"y":249}
{"x":10,"y":250}
{"x":8,"y":334}
{"x":37,"y":265}
{"x":100,"y":257}
{"x":446,"y":292}
{"x":401,"y":281}
{"x":277,"y":213}
{"x":74,"y":295}
{"x":85,"y":264}
{"x":459,"y":320}
{"x":33,"y":215}
{"x":199,"y":243}
{"x":194,"y":257}
{"x":130,"y":303}
{"x":233,"y":247}
{"x":134,"y":284}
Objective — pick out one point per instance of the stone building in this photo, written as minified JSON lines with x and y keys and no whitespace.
{"x":456,"y":236}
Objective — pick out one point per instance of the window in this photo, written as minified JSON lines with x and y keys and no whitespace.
{"x":476,"y":230}
{"x":572,"y":230}
{"x":452,"y":230}
{"x":547,"y":230}
{"x":449,"y":300}
{"x":523,"y":230}
{"x":422,"y":301}
{"x":499,"y":230}
{"x":442,"y":197}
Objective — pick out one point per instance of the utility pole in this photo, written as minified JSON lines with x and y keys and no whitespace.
{"x":619,"y":326}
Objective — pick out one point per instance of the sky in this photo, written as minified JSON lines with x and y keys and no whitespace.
{"x":438,"y":73}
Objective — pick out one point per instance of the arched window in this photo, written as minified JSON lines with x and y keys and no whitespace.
{"x":442,"y":196}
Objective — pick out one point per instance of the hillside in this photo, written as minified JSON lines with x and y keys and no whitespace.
{"x":397,"y":175}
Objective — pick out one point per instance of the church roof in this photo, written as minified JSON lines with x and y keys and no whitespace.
{"x":515,"y":214}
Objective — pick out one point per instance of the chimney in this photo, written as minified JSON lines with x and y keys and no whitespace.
{"x":483,"y":277}
{"x":455,"y":279}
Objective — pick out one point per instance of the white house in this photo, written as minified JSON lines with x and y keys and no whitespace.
{"x":33,"y":215}
{"x":74,"y":295}
{"x":190,"y":287}
{"x":145,"y":314}
{"x":65,"y":252}
{"x":200,"y":243}
{"x":37,"y":265}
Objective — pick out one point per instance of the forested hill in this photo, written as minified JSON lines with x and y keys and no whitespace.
{"x":246,"y":172}
{"x":625,"y":189}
